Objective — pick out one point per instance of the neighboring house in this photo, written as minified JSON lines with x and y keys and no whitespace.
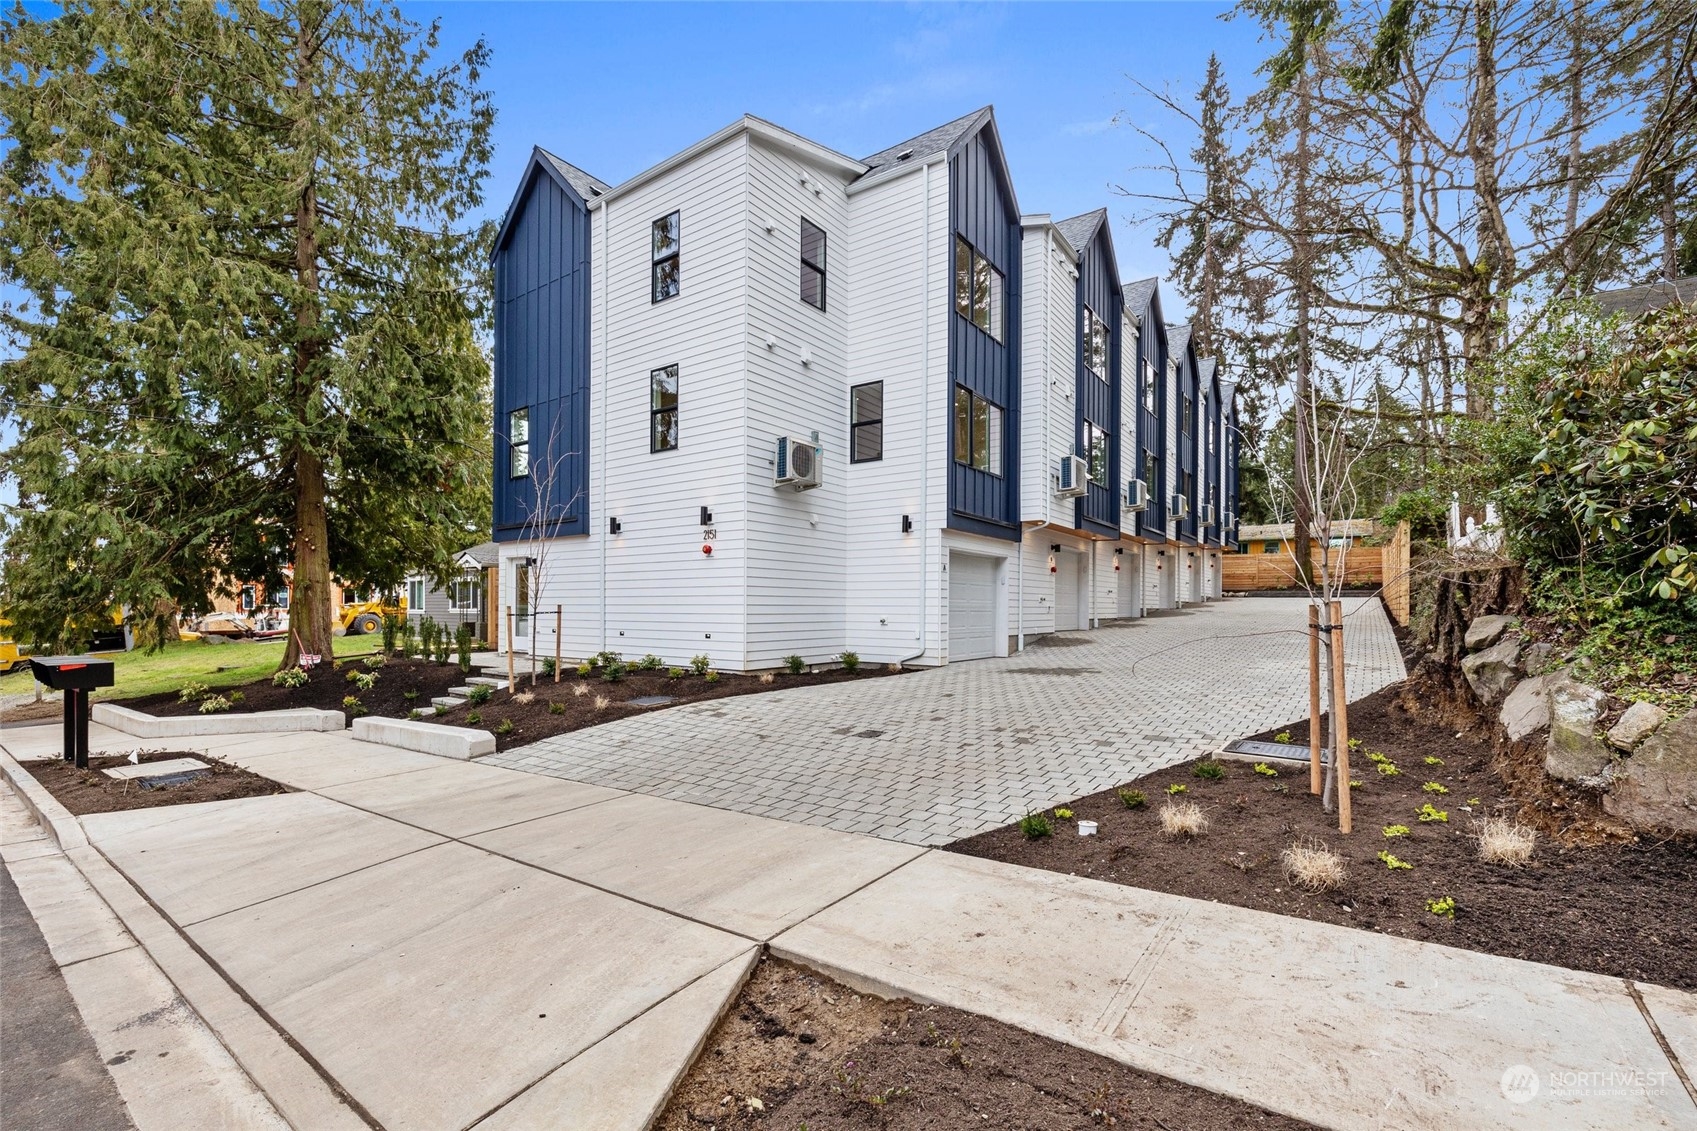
{"x":1649,"y":296}
{"x":1280,"y":537}
{"x":467,"y":598}
{"x":765,"y":399}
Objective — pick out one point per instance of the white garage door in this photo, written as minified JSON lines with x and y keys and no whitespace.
{"x":972,"y":607}
{"x":1066,"y":590}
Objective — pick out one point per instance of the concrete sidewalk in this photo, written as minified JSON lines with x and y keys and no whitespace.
{"x":458,"y":945}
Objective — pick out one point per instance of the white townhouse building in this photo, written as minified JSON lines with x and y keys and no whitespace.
{"x":764,"y":399}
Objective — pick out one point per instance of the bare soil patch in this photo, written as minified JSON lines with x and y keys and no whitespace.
{"x":1621,"y":909}
{"x":797,"y":1049}
{"x":534,"y":711}
{"x":90,"y":791}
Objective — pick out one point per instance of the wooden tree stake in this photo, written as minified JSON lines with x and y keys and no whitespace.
{"x":1340,"y":717}
{"x":1314,"y":770}
{"x":559,"y":620}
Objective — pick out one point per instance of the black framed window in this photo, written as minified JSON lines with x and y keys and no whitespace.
{"x":1269,"y":547}
{"x":1186,"y":485}
{"x":812,"y":264}
{"x":663,"y":275}
{"x":1096,"y":452}
{"x":979,"y":289}
{"x":518,"y":443}
{"x":1150,"y":393}
{"x":1152,"y":476}
{"x":978,"y":431}
{"x":1095,"y":344}
{"x":1187,"y":421}
{"x":663,"y":409}
{"x":866,"y":422}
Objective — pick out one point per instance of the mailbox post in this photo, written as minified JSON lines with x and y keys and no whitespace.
{"x":76,"y":676}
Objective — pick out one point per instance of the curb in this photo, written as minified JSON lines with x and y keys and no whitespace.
{"x":64,"y":828}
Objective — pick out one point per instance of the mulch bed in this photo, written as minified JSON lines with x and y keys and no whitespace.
{"x":1620,"y":909}
{"x":90,"y":791}
{"x":797,"y":1049}
{"x":406,"y":685}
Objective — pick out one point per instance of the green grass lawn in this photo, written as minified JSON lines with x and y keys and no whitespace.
{"x":191,"y":661}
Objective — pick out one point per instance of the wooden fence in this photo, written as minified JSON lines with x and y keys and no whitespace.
{"x":1394,"y":564}
{"x":1363,"y":569}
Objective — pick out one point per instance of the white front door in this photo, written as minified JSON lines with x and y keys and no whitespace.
{"x":521,"y":619}
{"x":1067,"y":590}
{"x":972,"y":607}
{"x":1167,"y":575}
{"x":1130,"y":581}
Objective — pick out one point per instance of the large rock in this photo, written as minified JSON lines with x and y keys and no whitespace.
{"x":1486,"y":631}
{"x":1490,"y":673}
{"x":1526,"y":711}
{"x":1538,"y":658}
{"x":1574,"y":753}
{"x":1638,"y":723}
{"x":1657,"y":787}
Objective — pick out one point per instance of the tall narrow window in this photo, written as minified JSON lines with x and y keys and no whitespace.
{"x":1152,"y":477}
{"x":866,"y":422}
{"x":663,"y":409}
{"x":247,"y":598}
{"x":518,"y":443}
{"x":979,"y":288}
{"x":812,"y":264}
{"x":1149,"y":390}
{"x":1095,"y":344}
{"x":1188,"y":421}
{"x":978,"y":431}
{"x":415,"y":595}
{"x":1096,"y":452}
{"x":664,"y":272}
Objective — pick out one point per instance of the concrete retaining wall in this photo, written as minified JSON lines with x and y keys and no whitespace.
{"x":426,"y":738}
{"x":143,"y":725}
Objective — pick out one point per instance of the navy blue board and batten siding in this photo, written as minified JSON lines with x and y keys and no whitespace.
{"x":1151,"y":423}
{"x":1098,"y":401}
{"x":983,"y":211}
{"x":1187,"y":436}
{"x":541,"y":263}
{"x":1212,"y":449}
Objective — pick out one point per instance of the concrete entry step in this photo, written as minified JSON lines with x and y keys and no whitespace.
{"x":462,"y":691}
{"x":488,"y":681}
{"x":446,"y":700}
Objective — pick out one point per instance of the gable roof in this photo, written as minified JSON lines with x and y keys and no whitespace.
{"x":1205,"y":369}
{"x":1138,"y":294}
{"x":1080,"y":230}
{"x":1650,"y":296}
{"x":575,"y":181}
{"x":482,"y":554}
{"x":915,"y":150}
{"x":585,"y":184}
{"x":1178,"y":337}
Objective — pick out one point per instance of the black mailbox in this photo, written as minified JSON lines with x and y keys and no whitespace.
{"x":75,"y":676}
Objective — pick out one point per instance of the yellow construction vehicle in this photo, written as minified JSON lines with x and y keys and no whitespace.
{"x":11,"y":657}
{"x":359,"y":617}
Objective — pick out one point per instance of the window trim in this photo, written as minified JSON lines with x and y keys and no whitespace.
{"x":996,"y":302}
{"x":808,"y":265}
{"x":518,"y":451}
{"x":471,"y":588}
{"x":1093,"y":322}
{"x":654,"y":413}
{"x":418,"y":605}
{"x":855,"y":425}
{"x":656,"y":260}
{"x":995,"y":429}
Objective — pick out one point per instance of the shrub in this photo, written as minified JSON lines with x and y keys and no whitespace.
{"x":462,"y":646}
{"x":651,"y":663}
{"x":1183,"y":818}
{"x":1265,"y":770}
{"x":1064,"y":814}
{"x":1209,"y":770}
{"x":440,"y":711}
{"x":675,"y":673}
{"x":1392,"y":862}
{"x":192,"y":691}
{"x":711,"y":677}
{"x":1427,"y":814}
{"x":352,"y":705}
{"x":1177,"y":788}
{"x":556,"y":708}
{"x":603,"y":658}
{"x":214,"y":703}
{"x":1314,"y":866}
{"x":410,"y":694}
{"x":290,"y":677}
{"x":443,"y":647}
{"x":795,"y":664}
{"x":1035,"y":826}
{"x":472,"y":718}
{"x":375,"y":660}
{"x":850,"y":661}
{"x":586,"y":668}
{"x":407,"y":645}
{"x":479,"y":694}
{"x":391,"y":628}
{"x":548,"y":667}
{"x":1444,"y":907}
{"x":1395,"y":830}
{"x":415,"y":714}
{"x":700,"y":664}
{"x":504,"y":727}
{"x":238,"y":696}
{"x":613,"y":672}
{"x":1131,"y":798}
{"x":1502,"y":841}
{"x":365,"y":681}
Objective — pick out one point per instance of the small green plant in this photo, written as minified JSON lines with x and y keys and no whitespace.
{"x":504,"y":727}
{"x":1435,"y":787}
{"x":1428,"y":814}
{"x":1388,"y":769}
{"x":1377,"y":758}
{"x":214,"y":703}
{"x":443,"y":647}
{"x":1444,"y":906}
{"x":1473,"y":803}
{"x":1131,"y":798}
{"x":1356,"y":783}
{"x":548,"y":668}
{"x":192,"y":691}
{"x":1355,"y":744}
{"x":556,"y":708}
{"x":410,"y":695}
{"x":1035,"y":826}
{"x":613,"y":672}
{"x":365,"y":681}
{"x":473,"y":717}
{"x":700,"y":664}
{"x":676,"y":673}
{"x":1265,"y":770}
{"x":238,"y":696}
{"x":586,"y":668}
{"x":651,"y":663}
{"x":1396,"y":830}
{"x":479,"y":694}
{"x":1283,"y":737}
{"x":375,"y":660}
{"x":415,"y":714}
{"x":1064,"y":814}
{"x":290,"y":677}
{"x":1392,"y":862}
{"x":1432,"y":760}
{"x":1209,"y":770}
{"x":1177,"y":788}
{"x":440,"y":711}
{"x":462,"y":646}
{"x":1279,"y":787}
{"x":352,"y":705}
{"x":711,"y":677}
{"x":794,"y":664}
{"x":850,"y":661}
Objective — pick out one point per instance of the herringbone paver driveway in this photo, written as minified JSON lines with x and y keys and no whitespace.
{"x":933,"y":756}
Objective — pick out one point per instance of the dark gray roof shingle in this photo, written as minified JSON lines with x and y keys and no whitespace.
{"x":1177,"y":338}
{"x":1205,"y":369}
{"x":585,"y":185}
{"x":1080,"y":230}
{"x":1649,"y":296}
{"x":484,"y":553}
{"x":1137,"y":294}
{"x":932,"y":141}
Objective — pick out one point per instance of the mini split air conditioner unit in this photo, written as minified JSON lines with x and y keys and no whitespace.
{"x":1180,"y":506}
{"x":1073,"y":477}
{"x":1136,"y":497}
{"x":798,"y":464}
{"x":1207,"y":514}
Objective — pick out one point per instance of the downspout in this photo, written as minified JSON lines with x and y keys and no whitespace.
{"x":1048,"y":496}
{"x":601,"y":439}
{"x":924,"y":428}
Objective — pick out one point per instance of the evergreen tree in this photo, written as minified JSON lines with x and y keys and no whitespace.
{"x":250,"y":349}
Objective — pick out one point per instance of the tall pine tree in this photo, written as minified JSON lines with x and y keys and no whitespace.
{"x":251,"y":344}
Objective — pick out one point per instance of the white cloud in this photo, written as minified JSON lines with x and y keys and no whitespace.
{"x":1089,"y":129}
